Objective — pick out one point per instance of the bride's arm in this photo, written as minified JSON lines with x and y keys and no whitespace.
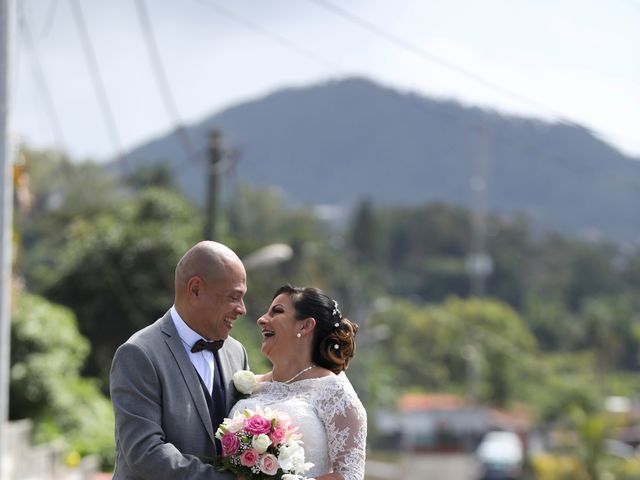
{"x":345,"y":422}
{"x":328,"y":476}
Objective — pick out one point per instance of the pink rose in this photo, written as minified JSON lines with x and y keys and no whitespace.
{"x":249,"y":457}
{"x":277,"y":436}
{"x":230,"y":444}
{"x":268,"y":464}
{"x":257,"y":425}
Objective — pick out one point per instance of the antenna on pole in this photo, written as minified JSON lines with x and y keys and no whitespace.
{"x":479,"y":263}
{"x":213,"y":185}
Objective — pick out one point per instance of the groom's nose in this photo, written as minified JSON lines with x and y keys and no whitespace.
{"x":241,"y":309}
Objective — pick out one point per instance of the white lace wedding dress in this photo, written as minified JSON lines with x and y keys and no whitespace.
{"x":330,"y":417}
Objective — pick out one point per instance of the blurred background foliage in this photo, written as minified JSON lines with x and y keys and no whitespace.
{"x":47,"y":354}
{"x":558,"y":330}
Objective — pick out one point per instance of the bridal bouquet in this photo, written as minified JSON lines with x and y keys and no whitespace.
{"x":262,"y":445}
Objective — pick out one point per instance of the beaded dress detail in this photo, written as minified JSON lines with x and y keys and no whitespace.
{"x":330,"y":417}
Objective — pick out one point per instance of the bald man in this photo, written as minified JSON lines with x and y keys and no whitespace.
{"x":171,"y":382}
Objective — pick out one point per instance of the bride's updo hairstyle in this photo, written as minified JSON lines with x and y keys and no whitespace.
{"x":334,"y":342}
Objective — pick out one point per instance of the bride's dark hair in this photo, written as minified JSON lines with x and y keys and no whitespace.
{"x":334,"y":337}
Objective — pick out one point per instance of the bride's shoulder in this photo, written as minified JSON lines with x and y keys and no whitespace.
{"x":338,"y":383}
{"x":331,"y":381}
{"x":323,"y":372}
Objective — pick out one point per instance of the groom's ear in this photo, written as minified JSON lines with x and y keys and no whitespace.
{"x":194,"y":286}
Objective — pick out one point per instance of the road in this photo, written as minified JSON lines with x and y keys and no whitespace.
{"x":425,"y":467}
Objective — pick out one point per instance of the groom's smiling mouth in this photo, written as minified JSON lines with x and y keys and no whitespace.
{"x":228,"y":321}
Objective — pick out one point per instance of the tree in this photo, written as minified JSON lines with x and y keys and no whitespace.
{"x":514,"y":254}
{"x":424,"y":250}
{"x":550,"y":322}
{"x":364,"y":234}
{"x":62,"y":192}
{"x":427,"y":345}
{"x":46,"y":385}
{"x":610,"y":326}
{"x":116,"y":272}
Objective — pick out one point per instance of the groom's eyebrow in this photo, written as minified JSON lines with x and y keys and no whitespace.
{"x":238,"y":291}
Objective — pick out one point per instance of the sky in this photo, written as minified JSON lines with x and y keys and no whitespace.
{"x":569,"y":60}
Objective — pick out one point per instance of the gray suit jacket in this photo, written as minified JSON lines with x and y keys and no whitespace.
{"x":163,"y":426}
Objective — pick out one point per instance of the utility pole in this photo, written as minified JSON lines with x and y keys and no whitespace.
{"x":7,"y":19}
{"x":479,"y":263}
{"x":213,"y":180}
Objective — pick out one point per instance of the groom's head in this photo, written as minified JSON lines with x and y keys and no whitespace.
{"x":210,"y":284}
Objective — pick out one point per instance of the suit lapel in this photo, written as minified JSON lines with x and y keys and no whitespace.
{"x":189,"y":374}
{"x":227,"y":373}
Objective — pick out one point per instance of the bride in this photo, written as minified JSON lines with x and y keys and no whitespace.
{"x":310,"y":344}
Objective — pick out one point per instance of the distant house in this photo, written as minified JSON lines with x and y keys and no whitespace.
{"x":444,"y":423}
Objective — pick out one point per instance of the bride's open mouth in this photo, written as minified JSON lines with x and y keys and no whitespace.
{"x":267,"y":334}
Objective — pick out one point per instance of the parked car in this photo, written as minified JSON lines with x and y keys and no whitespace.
{"x":500,"y":456}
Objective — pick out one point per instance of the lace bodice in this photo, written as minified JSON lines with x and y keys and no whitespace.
{"x":330,"y":417}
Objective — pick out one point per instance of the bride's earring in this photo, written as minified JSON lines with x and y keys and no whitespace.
{"x":299,"y":335}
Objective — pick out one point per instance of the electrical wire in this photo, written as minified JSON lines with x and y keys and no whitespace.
{"x":430,"y":57}
{"x":51,"y":13}
{"x":101,"y":94}
{"x":38,"y":73}
{"x":399,"y":42}
{"x":163,"y":82}
{"x":274,"y":36}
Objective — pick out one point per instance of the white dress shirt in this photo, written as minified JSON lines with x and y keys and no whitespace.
{"x":203,"y":360}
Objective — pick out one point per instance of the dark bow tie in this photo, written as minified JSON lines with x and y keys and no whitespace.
{"x":202,"y":344}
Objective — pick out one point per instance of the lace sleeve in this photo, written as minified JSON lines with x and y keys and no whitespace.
{"x":345,"y":421}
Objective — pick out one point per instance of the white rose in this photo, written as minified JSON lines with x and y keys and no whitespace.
{"x":285,"y":458}
{"x":291,"y":458}
{"x":245,"y":381}
{"x":261,"y":442}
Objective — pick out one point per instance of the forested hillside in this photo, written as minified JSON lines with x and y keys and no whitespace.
{"x":338,"y":142}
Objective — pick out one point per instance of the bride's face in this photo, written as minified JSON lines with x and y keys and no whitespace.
{"x":279,"y":328}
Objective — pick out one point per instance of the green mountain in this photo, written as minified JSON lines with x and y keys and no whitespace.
{"x":337,"y":142}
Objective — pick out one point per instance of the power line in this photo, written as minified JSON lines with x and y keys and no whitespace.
{"x":274,"y":36}
{"x":227,"y":162}
{"x":51,"y":12}
{"x":53,"y":117}
{"x":38,"y":73}
{"x":163,"y":82}
{"x":430,"y":57}
{"x":92,"y":63}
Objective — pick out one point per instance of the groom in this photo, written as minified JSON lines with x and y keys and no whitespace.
{"x":171,"y":382}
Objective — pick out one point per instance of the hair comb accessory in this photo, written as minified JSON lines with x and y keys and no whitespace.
{"x":335,"y":311}
{"x":336,"y":324}
{"x":336,"y":346}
